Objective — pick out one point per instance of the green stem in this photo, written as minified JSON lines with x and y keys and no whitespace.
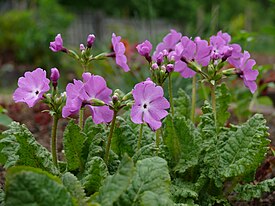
{"x":213,"y":99}
{"x":193,"y":109}
{"x":157,"y":140}
{"x":170,"y":90}
{"x":106,"y":157}
{"x":140,"y":136}
{"x":53,"y":140}
{"x":80,"y":118}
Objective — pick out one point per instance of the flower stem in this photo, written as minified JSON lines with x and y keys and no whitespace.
{"x":80,"y":118}
{"x":53,"y":139}
{"x":193,"y":109}
{"x":213,"y":99}
{"x":140,"y":136}
{"x":170,"y":90}
{"x":106,"y":156}
{"x":157,"y":140}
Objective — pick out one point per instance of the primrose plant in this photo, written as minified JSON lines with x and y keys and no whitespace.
{"x":138,"y":148}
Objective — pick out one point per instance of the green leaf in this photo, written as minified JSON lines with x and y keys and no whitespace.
{"x":116,"y":184}
{"x":123,"y":135}
{"x":207,"y":125}
{"x":183,"y":142}
{"x":245,"y":148}
{"x":20,"y":148}
{"x":152,"y":175}
{"x":5,"y":119}
{"x":152,"y":199}
{"x":74,"y":187}
{"x":182,"y":104}
{"x":91,"y":130}
{"x":73,"y":140}
{"x":249,"y":191}
{"x":2,"y":197}
{"x":223,"y":98}
{"x":31,"y":186}
{"x":182,"y":191}
{"x":94,"y":174}
{"x":150,"y":150}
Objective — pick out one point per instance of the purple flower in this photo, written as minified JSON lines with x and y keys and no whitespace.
{"x":220,"y":46}
{"x":57,"y":44}
{"x":188,"y":51}
{"x":149,"y":104}
{"x":81,"y":47}
{"x":169,"y":42}
{"x":144,"y":49}
{"x":80,"y":94}
{"x":244,"y":69}
{"x":54,"y":75}
{"x":119,"y":49}
{"x":31,"y":87}
{"x":90,"y":40}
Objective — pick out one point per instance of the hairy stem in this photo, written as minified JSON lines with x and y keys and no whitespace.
{"x":170,"y":90}
{"x":140,"y":136}
{"x":107,"y":151}
{"x":81,"y":118}
{"x":53,"y":140}
{"x":157,"y":140}
{"x":193,"y":108}
{"x":213,"y":99}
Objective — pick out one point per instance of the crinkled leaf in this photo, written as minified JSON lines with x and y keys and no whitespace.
{"x":116,"y":184}
{"x":250,"y":191}
{"x":245,"y":149}
{"x":74,"y":187}
{"x":152,"y":175}
{"x":207,"y":125}
{"x":150,"y":150}
{"x":223,"y":99}
{"x":73,"y":140}
{"x":152,"y":199}
{"x":95,"y":172}
{"x":182,"y":191}
{"x":2,"y":197}
{"x":31,"y":186}
{"x":20,"y":148}
{"x":123,"y":135}
{"x":91,"y":130}
{"x":183,"y":142}
{"x":182,"y":104}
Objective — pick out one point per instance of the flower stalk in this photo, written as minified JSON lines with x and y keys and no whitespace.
{"x":53,"y":139}
{"x":193,"y":108}
{"x":81,"y":118}
{"x":213,"y":100}
{"x":140,"y":136}
{"x":107,"y":151}
{"x":170,"y":90}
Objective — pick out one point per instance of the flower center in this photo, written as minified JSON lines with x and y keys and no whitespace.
{"x":145,"y":106}
{"x":36,"y":92}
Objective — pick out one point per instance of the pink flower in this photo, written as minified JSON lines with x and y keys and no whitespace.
{"x":246,"y":72}
{"x":149,"y":104}
{"x":54,"y":75}
{"x":57,"y":44}
{"x":119,"y":49}
{"x":169,"y":42}
{"x":80,"y":94}
{"x":90,"y":40}
{"x":31,"y":87}
{"x":144,"y":49}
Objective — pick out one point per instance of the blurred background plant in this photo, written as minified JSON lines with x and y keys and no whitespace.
{"x":27,"y":27}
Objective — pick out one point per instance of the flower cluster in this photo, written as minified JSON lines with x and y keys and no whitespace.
{"x":182,"y":54}
{"x":80,"y":94}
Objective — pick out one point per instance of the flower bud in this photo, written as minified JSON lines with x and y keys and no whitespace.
{"x":81,"y":47}
{"x":90,"y":40}
{"x":97,"y":102}
{"x":54,"y":76}
{"x":154,"y":66}
{"x":169,"y":68}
